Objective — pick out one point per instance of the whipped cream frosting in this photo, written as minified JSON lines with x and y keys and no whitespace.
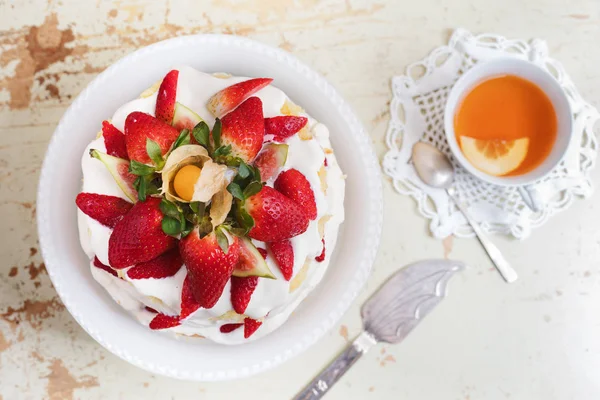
{"x":272,"y":301}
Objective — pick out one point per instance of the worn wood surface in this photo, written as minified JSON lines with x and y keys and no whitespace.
{"x":536,"y":339}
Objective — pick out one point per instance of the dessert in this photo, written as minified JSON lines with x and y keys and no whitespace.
{"x":210,"y":206}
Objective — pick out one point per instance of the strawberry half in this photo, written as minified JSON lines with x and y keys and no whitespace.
{"x":284,"y":126}
{"x":98,"y":264}
{"x":189,"y":304}
{"x":139,"y":237}
{"x":276,"y":217}
{"x":244,"y":129}
{"x":241,"y":292}
{"x":140,"y":126}
{"x":163,"y":266}
{"x":250,"y":326}
{"x":108,"y":210}
{"x":232,"y":96}
{"x":114,"y":141}
{"x":293,"y":184}
{"x":162,"y":321}
{"x":227,"y":328}
{"x":284,"y":256}
{"x":165,"y":101}
{"x":209,"y":268}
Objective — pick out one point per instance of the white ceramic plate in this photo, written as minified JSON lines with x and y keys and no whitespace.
{"x":60,"y":182}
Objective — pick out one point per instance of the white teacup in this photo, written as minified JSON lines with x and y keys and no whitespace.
{"x":548,"y":84}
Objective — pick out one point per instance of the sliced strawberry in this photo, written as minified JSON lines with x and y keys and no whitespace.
{"x":163,"y":266}
{"x":232,"y":96}
{"x":241,"y":292}
{"x":244,"y":129}
{"x":276,"y":217}
{"x":139,"y":237}
{"x":139,"y":127}
{"x":108,"y":210}
{"x":250,"y":326}
{"x":114,"y":140}
{"x":98,"y":264}
{"x":162,"y":321}
{"x":321,"y":256}
{"x":284,"y":126}
{"x":227,"y":328}
{"x":209,"y":268}
{"x":165,"y":101}
{"x":189,"y":304}
{"x":270,"y":159}
{"x":284,"y":256}
{"x":262,"y":252}
{"x":294,"y":185}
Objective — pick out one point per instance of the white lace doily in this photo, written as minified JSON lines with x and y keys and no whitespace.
{"x":417,"y":113}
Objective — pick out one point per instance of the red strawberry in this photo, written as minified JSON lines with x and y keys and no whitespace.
{"x":188,"y":303}
{"x":250,"y":326}
{"x":108,"y":210}
{"x":114,"y":140}
{"x":283,"y":127}
{"x":321,"y":256}
{"x":209,"y":268}
{"x":229,"y":327}
{"x":244,"y":129}
{"x":165,"y":101}
{"x":163,"y":266}
{"x":140,"y":126}
{"x":262,"y":252}
{"x":241,"y":291}
{"x":276,"y":217}
{"x":162,"y":321}
{"x":139,"y":237}
{"x":294,"y":185}
{"x":231,"y":97}
{"x":98,"y":264}
{"x":284,"y":256}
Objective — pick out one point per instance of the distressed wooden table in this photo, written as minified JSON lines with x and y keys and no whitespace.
{"x":535,"y":339}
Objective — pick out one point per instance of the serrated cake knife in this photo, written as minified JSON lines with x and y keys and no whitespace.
{"x":389,"y":316}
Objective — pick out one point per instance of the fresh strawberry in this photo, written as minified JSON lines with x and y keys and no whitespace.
{"x":321,"y":256}
{"x":293,"y":184}
{"x":284,"y":256}
{"x":227,"y":328}
{"x":244,"y":129}
{"x":162,"y":321}
{"x":241,"y":291}
{"x":108,"y":210}
{"x":189,"y":304}
{"x":262,"y":252}
{"x":276,"y":217}
{"x":114,"y":140}
{"x":284,"y":126}
{"x":250,"y":326}
{"x":139,"y":237}
{"x":140,"y":126}
{"x":232,"y":96}
{"x":98,"y":264}
{"x":209,"y":268}
{"x":163,"y":266}
{"x":165,"y":101}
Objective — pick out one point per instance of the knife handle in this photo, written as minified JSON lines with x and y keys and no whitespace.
{"x":337,"y":368}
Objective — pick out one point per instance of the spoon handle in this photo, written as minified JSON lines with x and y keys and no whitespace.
{"x":507,"y":272}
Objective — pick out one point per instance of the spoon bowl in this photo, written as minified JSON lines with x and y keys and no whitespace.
{"x":432,"y":166}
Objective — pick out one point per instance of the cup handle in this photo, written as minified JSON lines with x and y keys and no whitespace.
{"x":531,"y":197}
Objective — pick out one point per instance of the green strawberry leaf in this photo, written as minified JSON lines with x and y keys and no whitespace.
{"x":169,"y":209}
{"x":256,"y":173}
{"x":195,"y":207}
{"x":171,"y":226}
{"x":139,"y":169}
{"x":252,"y":188}
{"x":201,"y":133}
{"x":244,"y":219}
{"x":222,"y":151}
{"x":235,"y":190}
{"x":182,"y":139}
{"x":189,"y":227}
{"x":222,"y":240}
{"x":216,"y":133}
{"x":244,"y":171}
{"x":142,"y":188}
{"x":155,"y":153}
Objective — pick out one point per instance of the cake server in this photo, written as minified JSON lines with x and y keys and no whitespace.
{"x":389,"y":316}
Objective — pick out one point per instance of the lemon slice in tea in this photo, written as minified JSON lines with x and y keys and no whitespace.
{"x":494,"y":157}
